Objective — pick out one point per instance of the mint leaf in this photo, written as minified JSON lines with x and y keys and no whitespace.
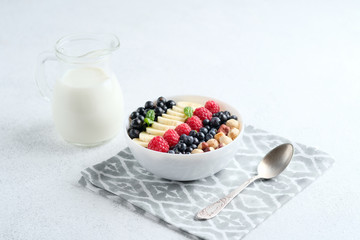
{"x":188,"y":111}
{"x":148,"y":121}
{"x":151,"y":115}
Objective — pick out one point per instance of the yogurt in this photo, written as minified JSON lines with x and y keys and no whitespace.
{"x":87,"y":106}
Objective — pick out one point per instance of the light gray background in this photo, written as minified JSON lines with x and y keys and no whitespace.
{"x":291,"y":68}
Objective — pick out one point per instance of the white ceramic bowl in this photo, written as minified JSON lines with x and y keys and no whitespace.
{"x":187,"y":167}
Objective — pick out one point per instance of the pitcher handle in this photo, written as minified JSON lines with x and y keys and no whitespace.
{"x":40,"y":77}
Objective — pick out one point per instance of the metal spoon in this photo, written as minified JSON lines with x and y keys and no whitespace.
{"x":271,"y":165}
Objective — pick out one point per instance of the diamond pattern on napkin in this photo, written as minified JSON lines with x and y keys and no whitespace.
{"x":175,"y":204}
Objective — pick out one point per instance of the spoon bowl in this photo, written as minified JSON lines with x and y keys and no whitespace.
{"x":275,"y":161}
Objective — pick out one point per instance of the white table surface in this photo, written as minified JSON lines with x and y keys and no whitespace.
{"x":291,"y":67}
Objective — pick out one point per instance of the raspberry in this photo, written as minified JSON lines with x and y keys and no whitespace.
{"x":171,"y":137}
{"x":183,"y":128}
{"x":202,"y":113}
{"x":159,"y":144}
{"x":195,"y":123}
{"x":212,"y":106}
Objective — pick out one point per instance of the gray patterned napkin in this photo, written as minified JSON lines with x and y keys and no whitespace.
{"x":174,"y":204}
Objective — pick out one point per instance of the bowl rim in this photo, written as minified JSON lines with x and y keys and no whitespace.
{"x":188,"y":156}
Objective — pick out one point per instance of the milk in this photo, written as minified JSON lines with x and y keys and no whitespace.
{"x":87,"y":106}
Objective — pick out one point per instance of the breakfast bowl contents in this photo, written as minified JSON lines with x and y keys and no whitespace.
{"x":184,"y":137}
{"x":176,"y":128}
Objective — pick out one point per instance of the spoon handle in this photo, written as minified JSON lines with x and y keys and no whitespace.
{"x":213,"y":209}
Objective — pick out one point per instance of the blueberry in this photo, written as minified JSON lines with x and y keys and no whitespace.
{"x":176,"y":151}
{"x":143,"y":128}
{"x":227,"y":113}
{"x":170,"y":103}
{"x":141,"y":111}
{"x":200,"y":136}
{"x":233,"y":117}
{"x":158,"y":111}
{"x":204,"y":130}
{"x":149,"y":104}
{"x":182,"y":147}
{"x":213,"y":131}
{"x":216,"y":114}
{"x":181,"y":141}
{"x":194,"y":146}
{"x":215,"y":122}
{"x":136,"y":123}
{"x":196,"y":141}
{"x":133,"y":133}
{"x":141,"y":117}
{"x":208,"y":127}
{"x":160,"y":104}
{"x":161,"y":99}
{"x":192,"y":133}
{"x":182,"y":137}
{"x":223,"y":118}
{"x":206,"y":122}
{"x":208,"y":137}
{"x":171,"y":151}
{"x":164,"y":108}
{"x":189,"y":149}
{"x":189,"y":140}
{"x":134,"y":115}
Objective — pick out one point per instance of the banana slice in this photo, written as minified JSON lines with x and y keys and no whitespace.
{"x":173,"y":113}
{"x":168,"y":121}
{"x":181,"y":119}
{"x":154,"y":131}
{"x":160,"y":126}
{"x":188,"y":104}
{"x":141,"y":143}
{"x":145,"y":137}
{"x":178,"y":109}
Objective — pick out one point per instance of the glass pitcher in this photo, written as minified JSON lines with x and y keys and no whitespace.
{"x":87,"y":101}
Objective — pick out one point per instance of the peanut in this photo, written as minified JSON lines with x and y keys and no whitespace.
{"x":197,"y":151}
{"x":208,"y":149}
{"x":232,"y":123}
{"x":213,"y":143}
{"x":234,"y":133}
{"x":219,"y":135}
{"x":203,"y":145}
{"x":225,"y":140}
{"x":225,"y":129}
